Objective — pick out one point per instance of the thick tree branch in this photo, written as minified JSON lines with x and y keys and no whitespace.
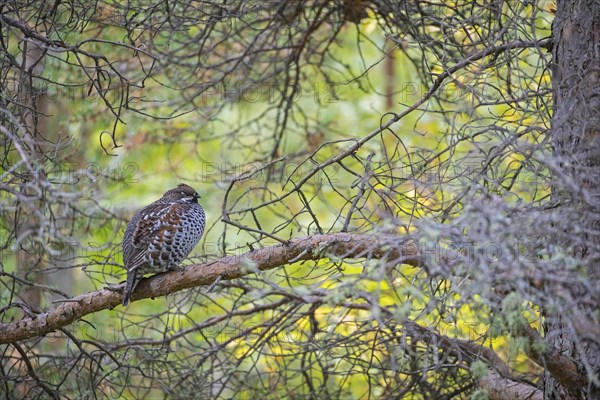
{"x":498,"y":382}
{"x":339,"y":245}
{"x":547,"y":356}
{"x":501,"y":388}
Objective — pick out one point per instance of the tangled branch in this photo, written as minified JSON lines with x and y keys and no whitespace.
{"x":341,"y":245}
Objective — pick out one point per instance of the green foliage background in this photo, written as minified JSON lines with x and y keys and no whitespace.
{"x":226,"y":134}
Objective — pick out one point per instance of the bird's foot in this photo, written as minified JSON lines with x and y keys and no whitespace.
{"x":178,"y":268}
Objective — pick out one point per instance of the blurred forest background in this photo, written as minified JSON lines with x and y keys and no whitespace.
{"x":402,"y":198}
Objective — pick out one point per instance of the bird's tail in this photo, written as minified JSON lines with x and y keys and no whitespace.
{"x":132,"y":280}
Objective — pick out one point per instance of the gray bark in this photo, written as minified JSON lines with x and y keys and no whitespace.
{"x":576,"y":138}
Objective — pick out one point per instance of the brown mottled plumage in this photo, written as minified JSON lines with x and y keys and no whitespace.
{"x":161,"y":235}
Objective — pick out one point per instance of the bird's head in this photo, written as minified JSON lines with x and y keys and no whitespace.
{"x":182,"y":194}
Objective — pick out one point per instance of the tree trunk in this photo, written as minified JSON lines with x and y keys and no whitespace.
{"x":576,"y":138}
{"x":30,"y":254}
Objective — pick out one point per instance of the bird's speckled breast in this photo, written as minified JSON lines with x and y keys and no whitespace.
{"x":180,"y":231}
